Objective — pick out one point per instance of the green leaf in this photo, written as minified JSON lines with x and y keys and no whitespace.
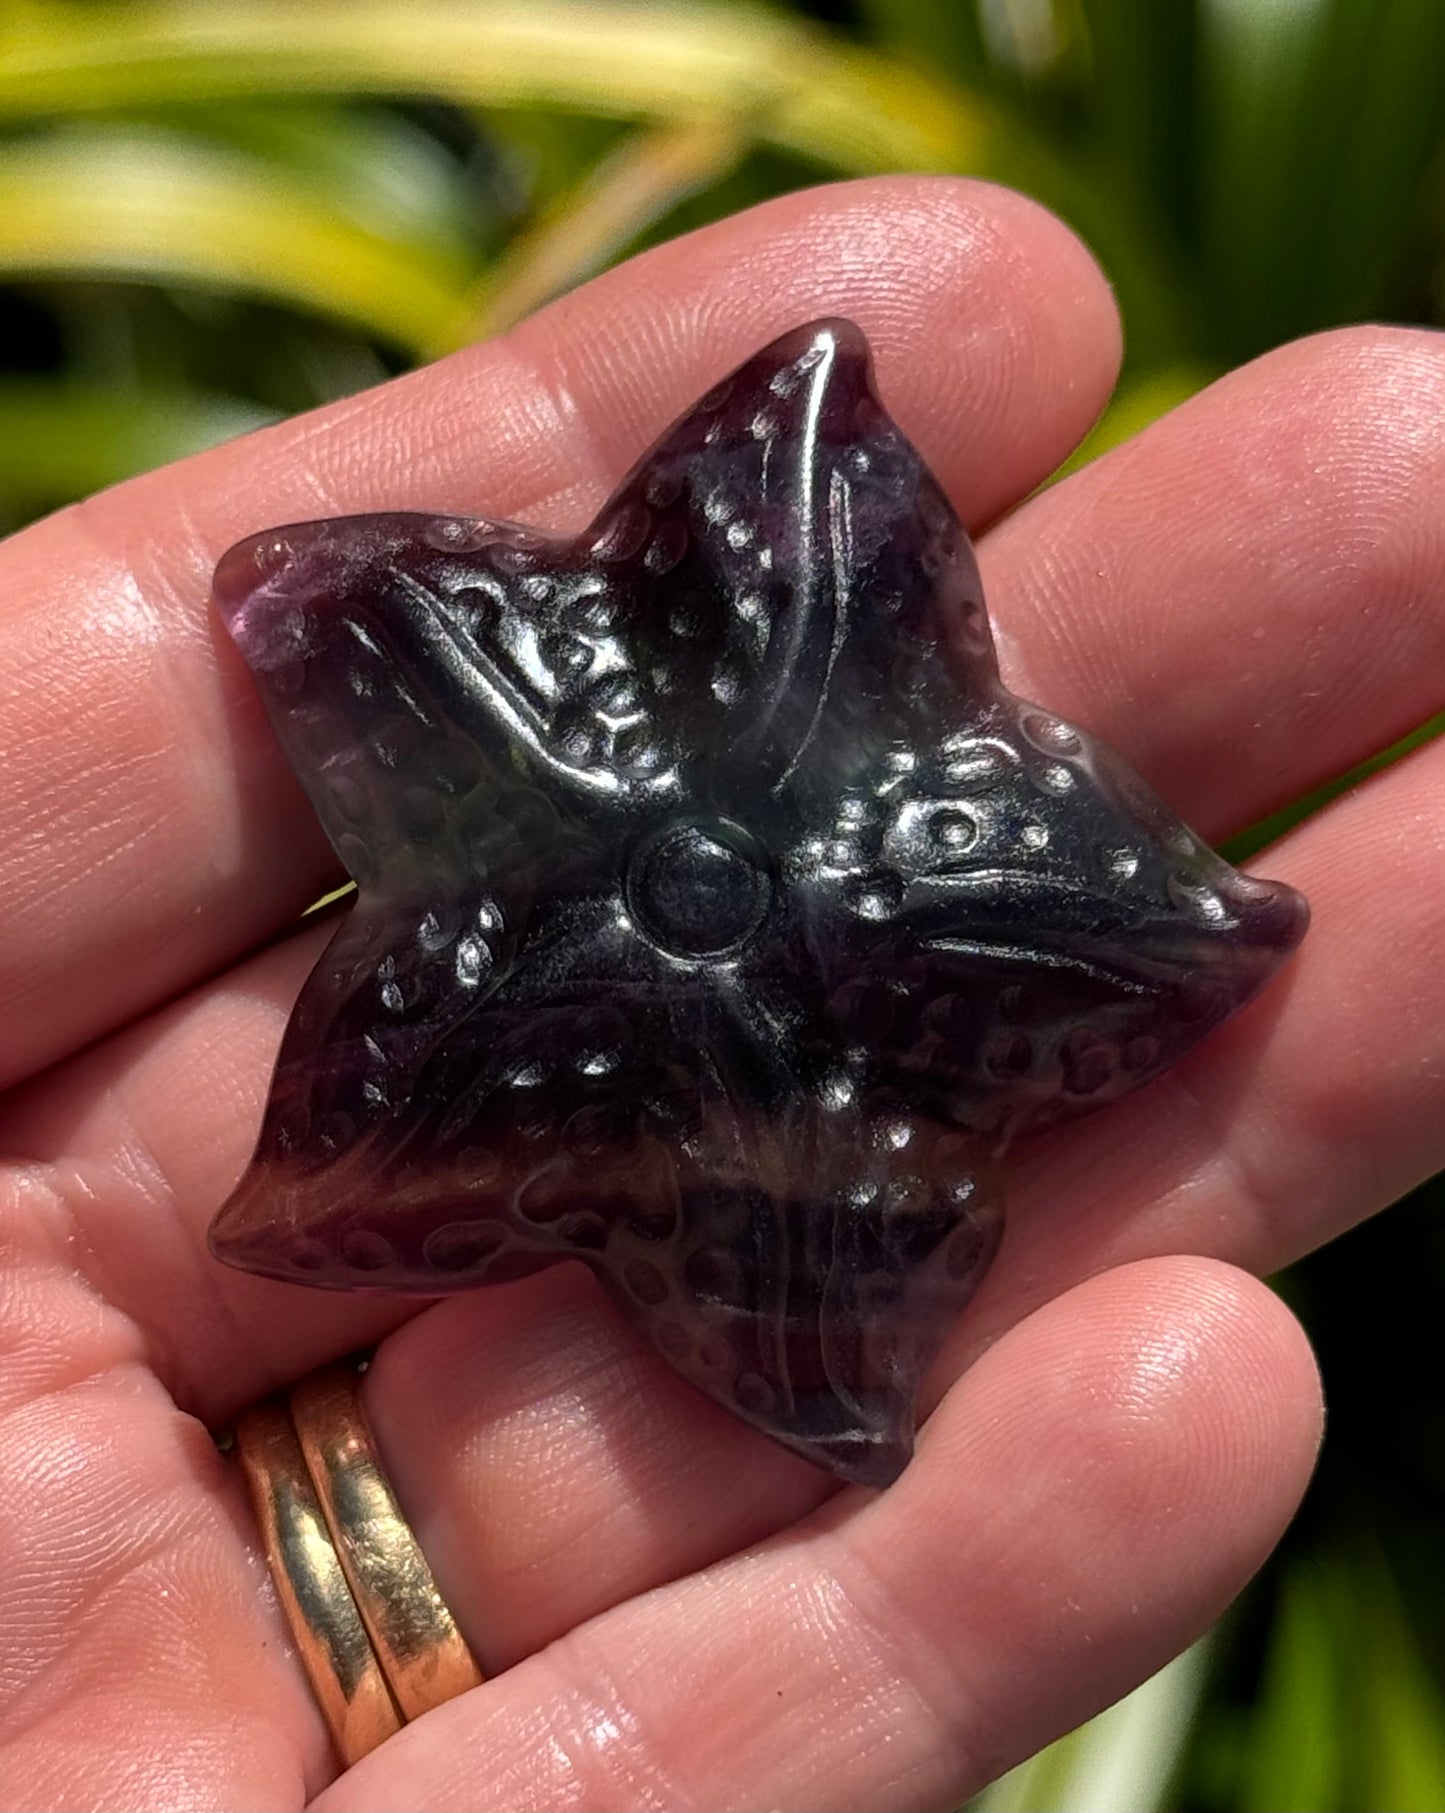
{"x":1295,"y":1759}
{"x":127,"y":202}
{"x":1349,"y":1713}
{"x":60,"y":440}
{"x":1318,"y":125}
{"x":797,"y":87}
{"x":1120,"y":1762}
{"x":624,"y":194}
{"x":543,"y":155}
{"x":1401,"y":1706}
{"x":945,"y":37}
{"x":373,"y":165}
{"x":1141,"y":119}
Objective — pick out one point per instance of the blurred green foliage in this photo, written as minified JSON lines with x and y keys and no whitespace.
{"x":213,"y":212}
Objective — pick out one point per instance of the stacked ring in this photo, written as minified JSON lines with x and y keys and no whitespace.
{"x":376,"y":1639}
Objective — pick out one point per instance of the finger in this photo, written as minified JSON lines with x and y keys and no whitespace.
{"x":1084,"y":1503}
{"x":1246,"y":599}
{"x":133,"y":1145}
{"x":150,"y":827}
{"x":143,"y":1662}
{"x":533,"y":1426}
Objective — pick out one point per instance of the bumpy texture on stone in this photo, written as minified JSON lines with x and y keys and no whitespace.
{"x":721,"y":917}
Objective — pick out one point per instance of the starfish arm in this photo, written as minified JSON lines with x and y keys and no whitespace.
{"x":780,"y":539}
{"x":817,"y":1258}
{"x":393,"y":1015}
{"x":1016,"y":930}
{"x":413,"y":666}
{"x":451,"y":1106}
{"x":811,"y":1247}
{"x":752,"y":615}
{"x":886,"y":630}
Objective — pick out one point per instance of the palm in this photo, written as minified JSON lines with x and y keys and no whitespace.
{"x":1242,"y":601}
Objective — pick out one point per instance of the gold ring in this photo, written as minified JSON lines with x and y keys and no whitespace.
{"x":335,"y":1651}
{"x":375,"y":1637}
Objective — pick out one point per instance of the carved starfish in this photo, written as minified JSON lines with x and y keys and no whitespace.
{"x":721,"y":917}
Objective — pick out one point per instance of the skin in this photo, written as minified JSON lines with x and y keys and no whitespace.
{"x":1245,"y":600}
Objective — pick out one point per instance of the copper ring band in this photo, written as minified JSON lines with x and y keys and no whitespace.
{"x":375,"y":1637}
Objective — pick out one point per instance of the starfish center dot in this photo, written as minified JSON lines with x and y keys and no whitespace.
{"x":699,"y":887}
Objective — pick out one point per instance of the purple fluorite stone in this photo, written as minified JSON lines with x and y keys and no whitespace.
{"x":721,"y":917}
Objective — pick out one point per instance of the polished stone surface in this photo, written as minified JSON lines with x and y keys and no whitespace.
{"x":721,"y":917}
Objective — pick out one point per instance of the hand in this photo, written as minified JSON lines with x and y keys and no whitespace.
{"x":1245,"y":600}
